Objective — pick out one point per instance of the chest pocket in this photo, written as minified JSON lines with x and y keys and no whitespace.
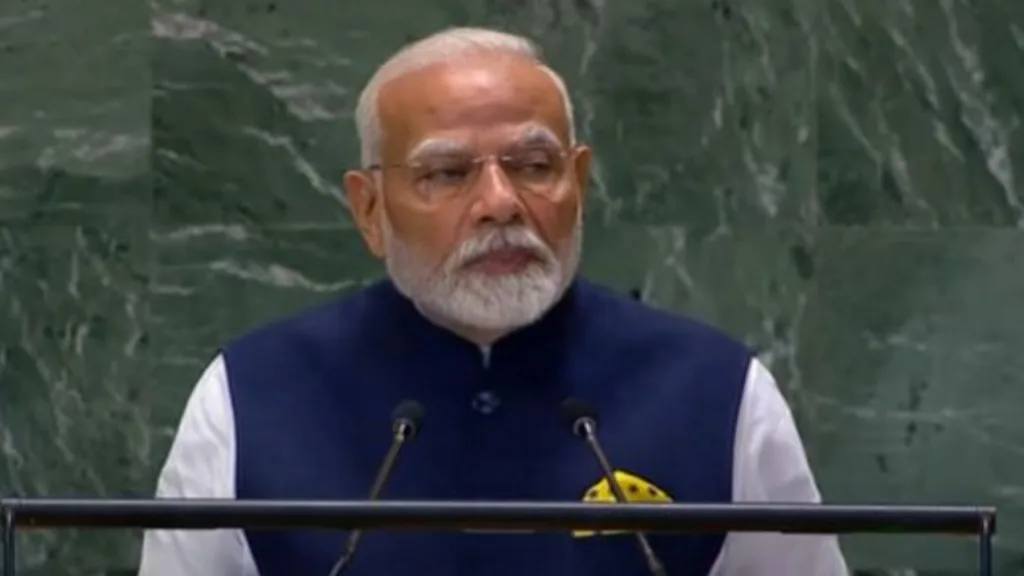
{"x":616,"y":553}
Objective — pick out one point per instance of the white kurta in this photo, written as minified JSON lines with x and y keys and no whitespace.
{"x":769,"y":466}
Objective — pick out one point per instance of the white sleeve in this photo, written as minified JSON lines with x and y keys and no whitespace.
{"x":770,"y":466}
{"x":200,"y":464}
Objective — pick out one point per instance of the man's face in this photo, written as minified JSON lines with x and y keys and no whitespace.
{"x":478,"y":217}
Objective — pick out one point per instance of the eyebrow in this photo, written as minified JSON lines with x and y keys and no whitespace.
{"x":535,"y":136}
{"x":436,"y":147}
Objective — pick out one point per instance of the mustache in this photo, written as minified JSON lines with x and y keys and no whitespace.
{"x":500,"y":239}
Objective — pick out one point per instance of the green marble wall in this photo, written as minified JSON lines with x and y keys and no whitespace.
{"x":838,"y":182}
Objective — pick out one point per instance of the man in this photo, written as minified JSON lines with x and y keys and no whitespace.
{"x":472,"y":191}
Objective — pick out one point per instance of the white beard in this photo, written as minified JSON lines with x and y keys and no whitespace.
{"x":482,"y":301}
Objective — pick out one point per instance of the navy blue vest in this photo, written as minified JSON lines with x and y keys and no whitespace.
{"x":313,"y":396}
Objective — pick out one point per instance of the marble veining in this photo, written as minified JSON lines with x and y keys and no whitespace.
{"x":835,"y":182}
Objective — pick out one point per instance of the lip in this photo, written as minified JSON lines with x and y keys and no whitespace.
{"x":503,"y":261}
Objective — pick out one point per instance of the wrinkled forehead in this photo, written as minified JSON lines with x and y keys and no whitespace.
{"x":480,"y":106}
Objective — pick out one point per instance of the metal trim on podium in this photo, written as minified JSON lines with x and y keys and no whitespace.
{"x":497,"y":516}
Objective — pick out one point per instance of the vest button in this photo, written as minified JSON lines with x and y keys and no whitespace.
{"x":486,"y":402}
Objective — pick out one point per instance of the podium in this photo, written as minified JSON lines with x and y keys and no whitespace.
{"x":27,"y":514}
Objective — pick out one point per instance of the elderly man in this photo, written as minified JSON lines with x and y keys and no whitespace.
{"x":471,"y":191}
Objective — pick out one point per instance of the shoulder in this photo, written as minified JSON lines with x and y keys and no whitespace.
{"x":304,"y":349}
{"x":658,"y":328}
{"x":325,"y":322}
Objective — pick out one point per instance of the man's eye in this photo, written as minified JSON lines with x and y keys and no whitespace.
{"x":536,"y":166}
{"x":531,"y":164}
{"x":446,"y":175}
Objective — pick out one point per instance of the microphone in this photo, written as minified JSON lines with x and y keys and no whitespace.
{"x":406,"y":421}
{"x":582,"y":421}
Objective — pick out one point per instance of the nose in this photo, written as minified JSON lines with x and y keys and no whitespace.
{"x":497,"y":200}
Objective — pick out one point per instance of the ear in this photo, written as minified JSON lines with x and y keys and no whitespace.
{"x":581,"y":170}
{"x":364,"y":203}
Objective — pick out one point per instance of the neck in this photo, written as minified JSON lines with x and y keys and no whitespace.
{"x":481,"y":337}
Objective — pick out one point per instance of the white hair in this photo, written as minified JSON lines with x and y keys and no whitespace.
{"x":434,"y":49}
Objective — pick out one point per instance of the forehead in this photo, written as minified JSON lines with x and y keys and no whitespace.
{"x":482,"y":101}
